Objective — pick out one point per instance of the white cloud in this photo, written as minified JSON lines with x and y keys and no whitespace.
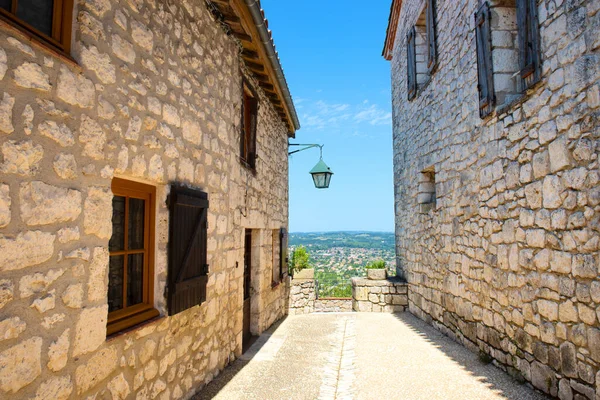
{"x":322,"y":115}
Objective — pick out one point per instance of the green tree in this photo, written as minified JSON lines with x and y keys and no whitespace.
{"x":300,"y":259}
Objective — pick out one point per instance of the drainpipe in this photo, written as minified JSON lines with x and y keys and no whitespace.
{"x":267,"y":41}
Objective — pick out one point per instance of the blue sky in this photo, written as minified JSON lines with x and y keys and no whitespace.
{"x":331,"y":54}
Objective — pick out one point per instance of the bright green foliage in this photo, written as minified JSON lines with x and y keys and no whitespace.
{"x":300,"y":259}
{"x":336,"y":292}
{"x":333,"y":285}
{"x":379,"y":264}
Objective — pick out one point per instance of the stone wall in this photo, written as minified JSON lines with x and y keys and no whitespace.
{"x":506,"y":260}
{"x":302,"y":296}
{"x":154,"y":95}
{"x":389,"y":295}
{"x":333,"y":305}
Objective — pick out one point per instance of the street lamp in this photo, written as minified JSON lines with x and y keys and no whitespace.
{"x":321,"y":173}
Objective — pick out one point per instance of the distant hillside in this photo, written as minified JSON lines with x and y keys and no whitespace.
{"x":327,"y":240}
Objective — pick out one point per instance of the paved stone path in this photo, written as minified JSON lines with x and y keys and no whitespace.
{"x":361,"y":356}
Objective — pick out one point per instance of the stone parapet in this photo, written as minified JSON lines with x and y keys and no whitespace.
{"x":389,"y":295}
{"x":333,"y":305}
{"x":302,"y":297}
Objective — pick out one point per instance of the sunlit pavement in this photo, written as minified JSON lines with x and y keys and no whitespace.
{"x":361,"y":356}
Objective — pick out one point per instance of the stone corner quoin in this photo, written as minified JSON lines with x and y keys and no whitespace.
{"x":506,"y":257}
{"x":153,"y":96}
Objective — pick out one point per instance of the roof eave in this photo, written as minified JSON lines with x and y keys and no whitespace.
{"x":390,"y":36}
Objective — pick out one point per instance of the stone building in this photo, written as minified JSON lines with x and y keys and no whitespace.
{"x":143,"y":194}
{"x":496,"y":140}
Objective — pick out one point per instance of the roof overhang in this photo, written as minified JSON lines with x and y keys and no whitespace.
{"x":390,"y":37}
{"x":246,"y":21}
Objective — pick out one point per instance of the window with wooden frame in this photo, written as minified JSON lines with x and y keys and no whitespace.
{"x":280,"y":255}
{"x":188,"y":246}
{"x":431,"y":28}
{"x":485,"y":73}
{"x":131,"y":247}
{"x":529,"y":43}
{"x":276,"y":272}
{"x":515,"y":58}
{"x":49,"y":21}
{"x":249,"y":123}
{"x":411,"y":65}
{"x":422,"y":50}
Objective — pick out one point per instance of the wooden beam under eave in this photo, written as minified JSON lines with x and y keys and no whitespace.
{"x":270,"y":76}
{"x":267,"y":87}
{"x":274,"y":99}
{"x":255,"y":66}
{"x":249,"y":54}
{"x":261,"y":77}
{"x":231,"y":18}
{"x":242,"y":36}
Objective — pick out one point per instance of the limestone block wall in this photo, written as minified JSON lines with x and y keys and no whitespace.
{"x":302,"y":296}
{"x":333,"y":305}
{"x":507,"y":261}
{"x":154,"y":95}
{"x":389,"y":295}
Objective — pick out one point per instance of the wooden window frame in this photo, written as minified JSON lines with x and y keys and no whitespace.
{"x":249,"y":126}
{"x":130,"y":316}
{"x":62,"y":25}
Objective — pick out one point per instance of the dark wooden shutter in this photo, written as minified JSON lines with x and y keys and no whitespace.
{"x":529,"y":39}
{"x":253,"y":103}
{"x":431,"y":36}
{"x":283,"y":252}
{"x":411,"y":66}
{"x":243,"y":152}
{"x":188,"y":268}
{"x":485,"y":72}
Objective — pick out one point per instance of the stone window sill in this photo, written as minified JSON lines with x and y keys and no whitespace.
{"x":248,"y":166}
{"x":426,"y":208}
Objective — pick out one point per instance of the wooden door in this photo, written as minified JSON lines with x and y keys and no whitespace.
{"x":247,"y":286}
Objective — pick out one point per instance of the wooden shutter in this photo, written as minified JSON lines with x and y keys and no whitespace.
{"x":253,"y":104}
{"x":485,"y":71}
{"x":283,"y":252}
{"x":188,"y":268}
{"x":529,"y":39}
{"x":411,"y":66}
{"x":431,"y":36}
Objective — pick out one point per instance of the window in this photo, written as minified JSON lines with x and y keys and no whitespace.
{"x":131,"y":247}
{"x":422,"y":49}
{"x":485,"y":76}
{"x":411,"y":66}
{"x":188,"y":244}
{"x":427,"y":194}
{"x":47,"y":20}
{"x":276,"y":258}
{"x":512,"y":63}
{"x":280,"y":258}
{"x":529,"y":42}
{"x":249,"y":121}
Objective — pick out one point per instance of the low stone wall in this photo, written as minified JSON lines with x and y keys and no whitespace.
{"x":333,"y":305}
{"x":302,"y":297}
{"x":390,"y":295}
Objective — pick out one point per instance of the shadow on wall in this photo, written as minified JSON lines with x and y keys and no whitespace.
{"x":481,"y":368}
{"x":216,"y":385}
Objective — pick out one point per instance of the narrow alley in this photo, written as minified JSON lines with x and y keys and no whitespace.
{"x":361,"y":356}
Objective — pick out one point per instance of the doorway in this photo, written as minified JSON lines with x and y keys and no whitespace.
{"x":246,"y":335}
